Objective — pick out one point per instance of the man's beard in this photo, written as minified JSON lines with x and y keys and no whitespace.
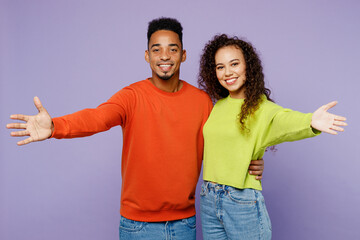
{"x":165,"y":77}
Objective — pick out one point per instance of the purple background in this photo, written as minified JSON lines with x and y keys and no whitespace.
{"x":76,"y":54}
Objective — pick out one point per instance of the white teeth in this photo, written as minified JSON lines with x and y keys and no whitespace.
{"x":165,"y":65}
{"x":230,"y":80}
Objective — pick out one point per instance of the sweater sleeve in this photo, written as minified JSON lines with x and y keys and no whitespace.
{"x":89,"y":121}
{"x":286,"y":125}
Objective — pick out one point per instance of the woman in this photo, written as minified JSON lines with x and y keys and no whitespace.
{"x":243,"y":123}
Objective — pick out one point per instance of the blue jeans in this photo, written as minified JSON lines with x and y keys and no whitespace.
{"x":179,"y":229}
{"x":231,"y":213}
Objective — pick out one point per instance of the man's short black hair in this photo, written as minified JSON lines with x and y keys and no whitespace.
{"x":164,"y":23}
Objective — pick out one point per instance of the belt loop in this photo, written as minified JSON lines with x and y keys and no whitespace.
{"x":207,"y":185}
{"x":226,"y":189}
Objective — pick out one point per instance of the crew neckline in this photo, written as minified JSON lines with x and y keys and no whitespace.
{"x":237,"y":100}
{"x":184,"y":86}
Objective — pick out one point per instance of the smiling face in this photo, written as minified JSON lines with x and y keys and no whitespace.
{"x":165,"y":55}
{"x":231,"y":70}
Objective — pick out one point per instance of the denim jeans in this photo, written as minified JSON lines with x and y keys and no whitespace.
{"x":231,"y":213}
{"x":179,"y":229}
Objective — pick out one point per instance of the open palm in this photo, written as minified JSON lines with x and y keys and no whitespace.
{"x":38,"y":127}
{"x":327,"y":122}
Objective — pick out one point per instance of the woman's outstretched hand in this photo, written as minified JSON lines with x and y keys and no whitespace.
{"x":38,"y":127}
{"x":327,"y":122}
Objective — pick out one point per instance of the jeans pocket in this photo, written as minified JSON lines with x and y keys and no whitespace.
{"x":242,"y":196}
{"x":130,"y":225}
{"x":190,"y":222}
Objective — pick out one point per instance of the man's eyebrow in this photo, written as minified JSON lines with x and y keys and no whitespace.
{"x":155,"y":45}
{"x":170,"y":45}
{"x":174,"y":45}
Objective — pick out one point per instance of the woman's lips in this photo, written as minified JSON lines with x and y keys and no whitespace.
{"x":230,"y":81}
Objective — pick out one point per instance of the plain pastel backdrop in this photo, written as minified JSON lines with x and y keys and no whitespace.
{"x":75,"y":54}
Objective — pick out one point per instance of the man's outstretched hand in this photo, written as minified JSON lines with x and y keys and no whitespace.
{"x":38,"y":127}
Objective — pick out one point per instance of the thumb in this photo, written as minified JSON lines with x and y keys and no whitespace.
{"x":330,"y":105}
{"x":38,"y":104}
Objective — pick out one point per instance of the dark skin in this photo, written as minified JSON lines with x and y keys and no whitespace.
{"x":257,"y":168}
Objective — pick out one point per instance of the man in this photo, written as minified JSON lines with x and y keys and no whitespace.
{"x":162,"y":119}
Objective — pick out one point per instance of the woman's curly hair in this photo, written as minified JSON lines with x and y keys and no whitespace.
{"x":254,"y":83}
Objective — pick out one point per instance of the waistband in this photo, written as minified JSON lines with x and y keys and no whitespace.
{"x":218,"y":188}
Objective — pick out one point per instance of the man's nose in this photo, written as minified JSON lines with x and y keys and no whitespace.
{"x":165,"y":56}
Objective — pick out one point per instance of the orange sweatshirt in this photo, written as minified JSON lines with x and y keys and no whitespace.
{"x":162,"y":146}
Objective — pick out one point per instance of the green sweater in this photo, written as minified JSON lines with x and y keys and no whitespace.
{"x":228,"y":151}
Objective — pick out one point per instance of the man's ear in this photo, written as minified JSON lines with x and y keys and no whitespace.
{"x":147,"y":58}
{"x":183,"y":57}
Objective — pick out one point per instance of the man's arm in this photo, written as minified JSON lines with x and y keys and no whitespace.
{"x":257,"y":168}
{"x":38,"y":127}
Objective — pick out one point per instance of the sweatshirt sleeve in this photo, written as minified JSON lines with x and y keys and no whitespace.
{"x":89,"y":121}
{"x":286,"y":125}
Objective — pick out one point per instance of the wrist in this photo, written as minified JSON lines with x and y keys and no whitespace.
{"x":52,"y":129}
